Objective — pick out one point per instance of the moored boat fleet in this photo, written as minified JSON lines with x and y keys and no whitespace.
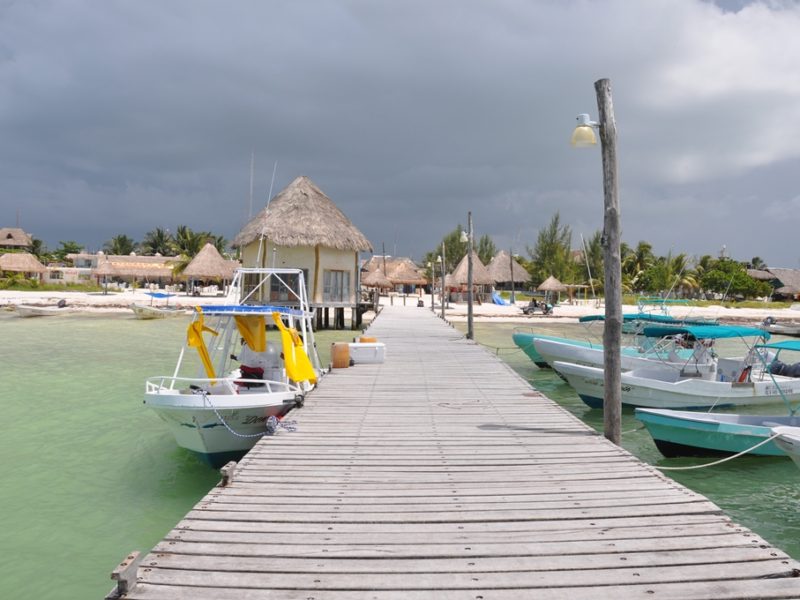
{"x":683,"y":391}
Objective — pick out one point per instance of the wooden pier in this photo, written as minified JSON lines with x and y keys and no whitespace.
{"x":441,"y":474}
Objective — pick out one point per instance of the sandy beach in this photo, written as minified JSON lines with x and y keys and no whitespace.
{"x":115,"y":302}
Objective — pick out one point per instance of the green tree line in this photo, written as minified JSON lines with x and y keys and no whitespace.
{"x":643,"y":272}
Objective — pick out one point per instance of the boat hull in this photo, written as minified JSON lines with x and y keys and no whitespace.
{"x":524,"y":340}
{"x":155,"y":312}
{"x":25,"y":310}
{"x":680,"y":393}
{"x":788,"y":441}
{"x":218,"y":427}
{"x":631,"y":357}
{"x":681,"y":433}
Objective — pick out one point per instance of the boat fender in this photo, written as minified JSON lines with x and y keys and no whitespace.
{"x":745,"y":374}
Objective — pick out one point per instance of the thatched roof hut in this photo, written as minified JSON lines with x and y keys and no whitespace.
{"x":146,"y":267}
{"x":21,"y":262}
{"x":760,"y":275}
{"x":551,"y":284}
{"x":400,"y":270}
{"x":376,"y":279}
{"x":302,"y":215}
{"x":209,"y":264}
{"x":14,"y":237}
{"x":505,"y":269}
{"x":480,"y":274}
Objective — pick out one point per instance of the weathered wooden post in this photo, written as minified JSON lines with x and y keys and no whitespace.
{"x":612,"y":332}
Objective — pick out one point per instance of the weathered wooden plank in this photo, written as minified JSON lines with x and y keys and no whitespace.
{"x":474,"y":580}
{"x":433,"y":564}
{"x":326,"y":546}
{"x":764,"y":589}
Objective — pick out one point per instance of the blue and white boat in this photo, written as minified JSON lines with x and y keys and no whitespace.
{"x":681,"y":433}
{"x":245,"y":374}
{"x":741,"y":381}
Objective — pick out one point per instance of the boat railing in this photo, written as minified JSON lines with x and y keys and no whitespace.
{"x":234,"y":384}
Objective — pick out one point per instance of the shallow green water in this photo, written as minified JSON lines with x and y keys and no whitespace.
{"x":761,"y":493}
{"x":88,"y":473}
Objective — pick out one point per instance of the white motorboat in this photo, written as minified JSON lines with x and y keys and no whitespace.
{"x":154,"y":311}
{"x":32,"y":310}
{"x":788,"y":440}
{"x":735,"y":382}
{"x":669,"y":352}
{"x":222,"y":411}
{"x":777,"y":327}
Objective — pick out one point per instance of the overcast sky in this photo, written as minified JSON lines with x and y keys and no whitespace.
{"x":117,"y":117}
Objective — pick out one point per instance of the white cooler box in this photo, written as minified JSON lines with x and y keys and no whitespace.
{"x":367,"y":352}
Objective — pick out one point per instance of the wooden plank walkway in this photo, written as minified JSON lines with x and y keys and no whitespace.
{"x":441,"y":474}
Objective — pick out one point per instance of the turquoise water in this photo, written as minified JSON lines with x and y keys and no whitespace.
{"x":761,"y":493}
{"x":89,"y":474}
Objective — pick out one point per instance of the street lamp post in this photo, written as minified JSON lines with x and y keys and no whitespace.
{"x":511,"y":266}
{"x":612,"y":331}
{"x":444,"y":268}
{"x":470,"y":327}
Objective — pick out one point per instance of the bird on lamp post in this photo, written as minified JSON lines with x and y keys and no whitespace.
{"x":467,"y":237}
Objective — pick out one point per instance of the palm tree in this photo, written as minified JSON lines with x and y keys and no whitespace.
{"x":158,"y":241}
{"x":119,"y":245}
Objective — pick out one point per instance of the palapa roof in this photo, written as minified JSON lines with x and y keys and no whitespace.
{"x":21,"y":262}
{"x":399,"y":270}
{"x":500,"y":268}
{"x":760,"y":275}
{"x":210,"y":263}
{"x":104,"y":267}
{"x":480,"y":274}
{"x":14,"y":237}
{"x":137,"y":266}
{"x":551,"y":284}
{"x":376,"y":279}
{"x":302,"y":215}
{"x":788,"y":278}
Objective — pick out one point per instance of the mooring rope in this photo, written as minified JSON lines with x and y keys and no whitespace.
{"x":722,"y":460}
{"x":270,"y":427}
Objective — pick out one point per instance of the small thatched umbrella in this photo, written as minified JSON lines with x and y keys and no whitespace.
{"x":376,"y":279}
{"x":104,"y":269}
{"x":21,"y":262}
{"x":551,"y":284}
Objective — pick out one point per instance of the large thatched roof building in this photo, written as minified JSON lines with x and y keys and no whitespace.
{"x":504,"y":270}
{"x":21,"y":262}
{"x":401,"y":271}
{"x":480,"y":274}
{"x":302,"y":228}
{"x":14,"y":238}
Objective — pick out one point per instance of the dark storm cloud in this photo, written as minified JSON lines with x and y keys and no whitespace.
{"x":118,"y":117}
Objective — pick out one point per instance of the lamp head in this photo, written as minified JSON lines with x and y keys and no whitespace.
{"x":583,"y":136}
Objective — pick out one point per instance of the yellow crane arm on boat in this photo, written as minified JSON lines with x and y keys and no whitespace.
{"x":252,"y":329}
{"x":194,"y":338}
{"x":295,"y":359}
